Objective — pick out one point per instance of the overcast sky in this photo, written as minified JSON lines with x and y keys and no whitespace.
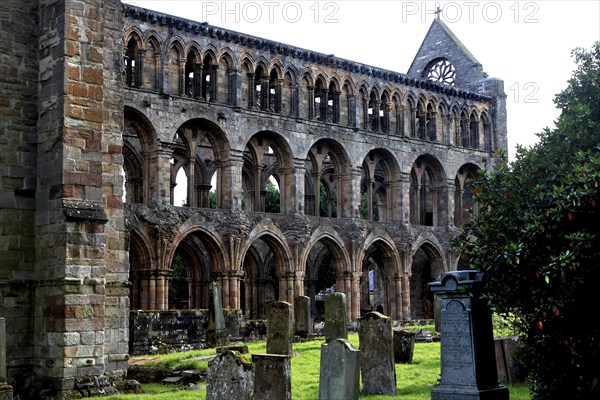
{"x":525,"y":43}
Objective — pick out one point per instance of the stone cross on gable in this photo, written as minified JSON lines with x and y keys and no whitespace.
{"x":438,"y":12}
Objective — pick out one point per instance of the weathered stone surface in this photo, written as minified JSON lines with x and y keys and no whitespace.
{"x":279,"y":328}
{"x":240,"y":348}
{"x":85,"y":129}
{"x":302,"y":316}
{"x":174,"y":329}
{"x":230,"y":377}
{"x":339,"y":376}
{"x":468,"y":361}
{"x":272,"y":377}
{"x":216,"y":334}
{"x":404,"y":346}
{"x":336,"y":321}
{"x":377,"y":365}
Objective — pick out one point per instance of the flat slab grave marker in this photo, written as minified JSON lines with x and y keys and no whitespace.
{"x":468,"y":359}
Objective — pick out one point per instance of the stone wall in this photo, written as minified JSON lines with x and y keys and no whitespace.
{"x":169,"y":331}
{"x":18,"y":143}
{"x":65,"y":263}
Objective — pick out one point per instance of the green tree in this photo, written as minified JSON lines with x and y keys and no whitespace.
{"x":537,"y":238}
{"x":272,"y":198}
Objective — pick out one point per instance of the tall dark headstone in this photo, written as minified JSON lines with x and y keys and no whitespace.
{"x":339,"y":376}
{"x":272,"y":377}
{"x":230,"y":376}
{"x":302,"y":316}
{"x":336,"y":322}
{"x":216,"y":334}
{"x":468,"y":357}
{"x":279,"y":328}
{"x":377,"y":365}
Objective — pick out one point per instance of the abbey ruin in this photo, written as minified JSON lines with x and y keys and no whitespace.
{"x":301,"y":172}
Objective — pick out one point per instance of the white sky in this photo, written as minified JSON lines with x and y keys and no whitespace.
{"x":525,"y":43}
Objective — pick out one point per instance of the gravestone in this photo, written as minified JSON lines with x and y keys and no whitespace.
{"x":302,"y":317}
{"x":377,"y":365}
{"x":230,"y":376}
{"x":6,"y":392}
{"x":216,"y":334}
{"x":404,"y":346}
{"x":272,"y":377}
{"x":339,"y":371}
{"x":508,"y":370}
{"x":468,"y":359}
{"x":279,"y":328}
{"x":336,"y":322}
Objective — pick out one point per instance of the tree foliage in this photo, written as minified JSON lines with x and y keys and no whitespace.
{"x":272,"y":198}
{"x":537,"y":238}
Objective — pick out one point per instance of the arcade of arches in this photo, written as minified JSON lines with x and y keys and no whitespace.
{"x":299,"y":172}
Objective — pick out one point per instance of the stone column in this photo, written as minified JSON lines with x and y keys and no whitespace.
{"x":278,"y":95}
{"x":158,"y":72}
{"x":152,"y":293}
{"x":264,"y":93}
{"x":468,"y":359}
{"x":251,"y":89}
{"x":397,"y":303}
{"x":311,"y":102}
{"x":295,"y":100}
{"x":225,"y":288}
{"x":214,"y":83}
{"x":351,"y":110}
{"x":405,"y":297}
{"x":233,"y":87}
{"x":181,"y":76}
{"x":317,"y":189}
{"x":145,"y":295}
{"x":198,"y":80}
{"x":258,"y":188}
{"x":234,"y":290}
{"x":376,"y":109}
{"x":355,"y":297}
{"x":336,"y":107}
{"x":139,"y":70}
{"x":370,"y":202}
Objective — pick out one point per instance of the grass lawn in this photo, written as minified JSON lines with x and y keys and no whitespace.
{"x":414,"y":381}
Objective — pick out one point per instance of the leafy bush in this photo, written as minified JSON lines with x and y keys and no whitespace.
{"x":537,"y":238}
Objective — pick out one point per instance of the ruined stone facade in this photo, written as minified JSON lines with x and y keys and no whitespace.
{"x":304,"y":171}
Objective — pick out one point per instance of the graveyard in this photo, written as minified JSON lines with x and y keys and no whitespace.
{"x":296,"y":361}
{"x":414,"y":381}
